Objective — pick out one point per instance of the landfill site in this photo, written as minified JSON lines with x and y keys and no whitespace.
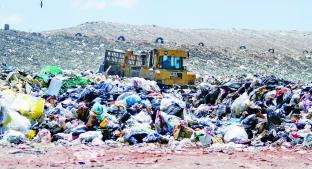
{"x":110,"y":95}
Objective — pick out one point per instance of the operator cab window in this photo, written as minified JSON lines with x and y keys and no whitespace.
{"x":171,"y":62}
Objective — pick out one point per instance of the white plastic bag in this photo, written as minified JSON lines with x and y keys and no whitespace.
{"x":240,"y":104}
{"x":12,"y":136}
{"x":235,"y":134}
{"x":169,"y":100}
{"x":90,"y":136}
{"x":18,"y":122}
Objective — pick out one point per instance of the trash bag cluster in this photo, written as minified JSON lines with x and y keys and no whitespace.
{"x":64,"y":106}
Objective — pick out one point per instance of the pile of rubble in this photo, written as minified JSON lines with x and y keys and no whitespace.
{"x":67,"y":107}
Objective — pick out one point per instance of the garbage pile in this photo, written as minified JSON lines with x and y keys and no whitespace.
{"x":63,"y":106}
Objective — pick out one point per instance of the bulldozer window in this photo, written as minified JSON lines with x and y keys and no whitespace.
{"x":143,"y":59}
{"x":171,"y":62}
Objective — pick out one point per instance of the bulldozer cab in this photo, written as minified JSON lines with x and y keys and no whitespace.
{"x":170,"y":69}
{"x":170,"y":59}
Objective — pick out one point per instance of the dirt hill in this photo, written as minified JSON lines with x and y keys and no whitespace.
{"x":83,"y":46}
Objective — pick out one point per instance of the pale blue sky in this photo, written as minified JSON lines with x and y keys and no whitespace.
{"x":226,"y":14}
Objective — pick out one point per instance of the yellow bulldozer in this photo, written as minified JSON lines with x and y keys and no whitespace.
{"x":161,"y":65}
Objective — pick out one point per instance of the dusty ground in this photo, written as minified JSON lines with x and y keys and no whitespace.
{"x":51,"y":156}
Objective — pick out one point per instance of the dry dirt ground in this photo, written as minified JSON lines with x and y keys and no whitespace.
{"x":81,"y":156}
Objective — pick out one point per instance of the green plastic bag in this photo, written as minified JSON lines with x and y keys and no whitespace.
{"x":54,"y":70}
{"x":76,"y":81}
{"x":47,"y":72}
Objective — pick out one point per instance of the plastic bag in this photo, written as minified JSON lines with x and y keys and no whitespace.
{"x":202,"y":110}
{"x":143,"y":117}
{"x":6,"y":113}
{"x":250,"y":121}
{"x":88,"y":94}
{"x":151,"y":138}
{"x":221,"y":111}
{"x":240,"y":104}
{"x":54,"y":70}
{"x":166,"y":102}
{"x":235,"y":134}
{"x":175,"y":109}
{"x":107,"y":120}
{"x":308,"y":140}
{"x":207,"y":123}
{"x":105,"y":87}
{"x":305,"y":104}
{"x":102,"y":116}
{"x":29,"y":106}
{"x":146,"y":85}
{"x":76,"y":81}
{"x":18,"y":122}
{"x":13,"y":136}
{"x":99,"y":109}
{"x":90,"y":136}
{"x":31,"y":134}
{"x":43,"y":136}
{"x":167,"y":121}
{"x":130,"y":98}
{"x":146,"y":103}
{"x":5,"y":118}
{"x":203,"y":136}
{"x":47,"y":72}
{"x":136,"y":134}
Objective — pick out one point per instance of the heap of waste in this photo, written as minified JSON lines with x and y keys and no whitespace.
{"x":64,"y":106}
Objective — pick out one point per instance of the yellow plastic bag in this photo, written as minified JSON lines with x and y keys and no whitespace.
{"x":6,"y":119}
{"x":104,"y":123}
{"x":29,"y":106}
{"x":31,"y":134}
